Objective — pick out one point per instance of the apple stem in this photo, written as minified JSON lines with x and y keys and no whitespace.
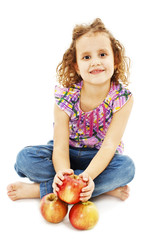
{"x":86,"y":203}
{"x":51,"y":197}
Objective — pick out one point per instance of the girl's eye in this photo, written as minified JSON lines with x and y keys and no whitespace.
{"x":103,"y":54}
{"x":86,"y":57}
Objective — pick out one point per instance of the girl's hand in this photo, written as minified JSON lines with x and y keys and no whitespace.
{"x":58,"y":179}
{"x":87,"y":191}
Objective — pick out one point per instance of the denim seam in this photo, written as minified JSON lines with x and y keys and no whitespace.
{"x":46,"y":187}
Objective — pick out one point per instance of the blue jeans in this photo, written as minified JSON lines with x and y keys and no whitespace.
{"x":35,"y":163}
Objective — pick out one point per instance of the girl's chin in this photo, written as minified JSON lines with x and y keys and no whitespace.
{"x":97,"y":81}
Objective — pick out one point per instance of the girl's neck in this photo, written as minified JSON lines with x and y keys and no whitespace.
{"x":93,"y":95}
{"x":96,"y":91}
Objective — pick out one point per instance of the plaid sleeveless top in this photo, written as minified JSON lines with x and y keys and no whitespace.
{"x":88,"y":129}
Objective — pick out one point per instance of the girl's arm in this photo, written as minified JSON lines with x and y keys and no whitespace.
{"x":60,"y":156}
{"x":111,"y":141}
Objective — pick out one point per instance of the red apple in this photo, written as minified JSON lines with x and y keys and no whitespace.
{"x":52,"y":208}
{"x":84,"y":216}
{"x":71,"y":188}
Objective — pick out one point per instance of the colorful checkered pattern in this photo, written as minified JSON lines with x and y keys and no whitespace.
{"x":88,"y":129}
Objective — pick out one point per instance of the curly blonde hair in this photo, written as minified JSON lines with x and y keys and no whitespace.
{"x":66,"y":73}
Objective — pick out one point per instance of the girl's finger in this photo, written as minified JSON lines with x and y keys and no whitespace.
{"x":86,"y":194}
{"x":85,"y":199}
{"x":59,"y":176}
{"x":84,"y":177}
{"x":69,"y":171}
{"x":58,"y":181}
{"x":86,"y":189}
{"x":62,"y":173}
{"x":56,"y":189}
{"x":55,"y":192}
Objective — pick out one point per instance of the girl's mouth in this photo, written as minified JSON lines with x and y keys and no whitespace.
{"x":96,"y":71}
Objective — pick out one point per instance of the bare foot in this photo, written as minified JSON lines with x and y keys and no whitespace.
{"x":121,"y":192}
{"x":21,"y":190}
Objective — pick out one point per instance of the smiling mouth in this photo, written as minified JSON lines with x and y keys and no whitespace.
{"x":96,"y":71}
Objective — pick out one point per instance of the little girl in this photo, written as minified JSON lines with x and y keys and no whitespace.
{"x":92,"y":107}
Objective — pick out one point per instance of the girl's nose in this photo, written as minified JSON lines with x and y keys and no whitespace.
{"x":95,"y":62}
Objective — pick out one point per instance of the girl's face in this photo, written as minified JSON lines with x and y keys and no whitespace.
{"x":95,"y":59}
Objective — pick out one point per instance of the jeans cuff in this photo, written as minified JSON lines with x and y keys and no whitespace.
{"x":46,"y":188}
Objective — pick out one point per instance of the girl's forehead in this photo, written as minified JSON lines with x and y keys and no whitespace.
{"x":92,"y":40}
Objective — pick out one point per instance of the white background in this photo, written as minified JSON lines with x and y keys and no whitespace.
{"x":33,"y":37}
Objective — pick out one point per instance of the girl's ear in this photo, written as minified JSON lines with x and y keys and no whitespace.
{"x":76,"y":68}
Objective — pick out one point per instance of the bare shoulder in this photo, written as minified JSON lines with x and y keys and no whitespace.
{"x":60,"y":115}
{"x":118,"y":124}
{"x":130,"y":101}
{"x":126,"y":109}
